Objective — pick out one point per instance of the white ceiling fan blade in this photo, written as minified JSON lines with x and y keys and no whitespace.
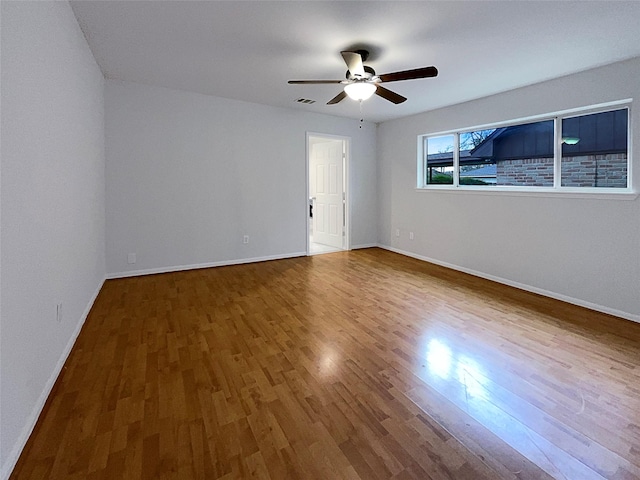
{"x":354,"y":63}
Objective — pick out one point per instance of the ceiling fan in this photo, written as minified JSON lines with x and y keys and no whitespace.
{"x":361,"y":81}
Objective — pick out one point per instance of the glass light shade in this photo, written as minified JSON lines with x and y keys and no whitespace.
{"x":360,"y":90}
{"x":570,"y":140}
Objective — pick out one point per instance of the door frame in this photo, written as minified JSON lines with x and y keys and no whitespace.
{"x":346,"y":143}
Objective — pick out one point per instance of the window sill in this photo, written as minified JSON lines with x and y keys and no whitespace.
{"x":627,"y":195}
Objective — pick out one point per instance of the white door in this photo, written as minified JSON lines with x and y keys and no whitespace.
{"x":328,"y":215}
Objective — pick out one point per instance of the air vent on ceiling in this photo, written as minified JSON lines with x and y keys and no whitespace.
{"x":305,"y":101}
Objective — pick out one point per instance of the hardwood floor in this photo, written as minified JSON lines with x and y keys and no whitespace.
{"x":362,"y":364}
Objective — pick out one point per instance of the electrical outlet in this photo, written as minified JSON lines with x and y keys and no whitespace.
{"x":59,"y":312}
{"x":397,"y":232}
{"x":131,"y":258}
{"x":245,"y":239}
{"x":410,"y":235}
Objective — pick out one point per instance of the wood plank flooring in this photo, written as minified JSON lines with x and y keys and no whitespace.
{"x":363,"y":364}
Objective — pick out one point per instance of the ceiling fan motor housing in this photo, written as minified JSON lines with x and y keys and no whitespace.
{"x":369,"y":73}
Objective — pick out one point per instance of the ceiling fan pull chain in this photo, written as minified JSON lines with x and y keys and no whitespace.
{"x":361,"y":115}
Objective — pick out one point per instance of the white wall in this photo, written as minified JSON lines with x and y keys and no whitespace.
{"x":52,"y":204}
{"x":188,"y":175}
{"x":585,"y":250}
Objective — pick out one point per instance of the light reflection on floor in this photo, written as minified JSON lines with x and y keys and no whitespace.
{"x":442,"y":362}
{"x":439,"y":358}
{"x":463,"y":380}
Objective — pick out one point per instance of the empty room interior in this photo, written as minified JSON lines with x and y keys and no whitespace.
{"x":319,"y":240}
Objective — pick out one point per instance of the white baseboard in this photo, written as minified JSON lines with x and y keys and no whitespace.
{"x":521,"y":286}
{"x":14,"y":455}
{"x":223,"y":263}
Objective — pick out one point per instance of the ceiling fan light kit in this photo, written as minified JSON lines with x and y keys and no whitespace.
{"x":362,"y":82}
{"x":361,"y":90}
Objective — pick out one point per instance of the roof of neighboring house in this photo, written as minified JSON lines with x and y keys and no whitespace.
{"x":446,"y":159}
{"x":482,"y":172}
{"x":485,"y":149}
{"x":600,"y":133}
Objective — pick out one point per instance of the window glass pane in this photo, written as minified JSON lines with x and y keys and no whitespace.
{"x":594,"y":150}
{"x":474,"y":169}
{"x":517,"y":155}
{"x":439,"y":162}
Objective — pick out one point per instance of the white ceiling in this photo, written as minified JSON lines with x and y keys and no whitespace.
{"x":247,"y":50}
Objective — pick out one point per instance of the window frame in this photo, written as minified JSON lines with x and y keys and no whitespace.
{"x":557,"y":187}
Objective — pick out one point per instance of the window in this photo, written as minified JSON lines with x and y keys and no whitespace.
{"x":570,"y":151}
{"x":439,"y":159}
{"x":594,"y":150}
{"x":475,"y":170}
